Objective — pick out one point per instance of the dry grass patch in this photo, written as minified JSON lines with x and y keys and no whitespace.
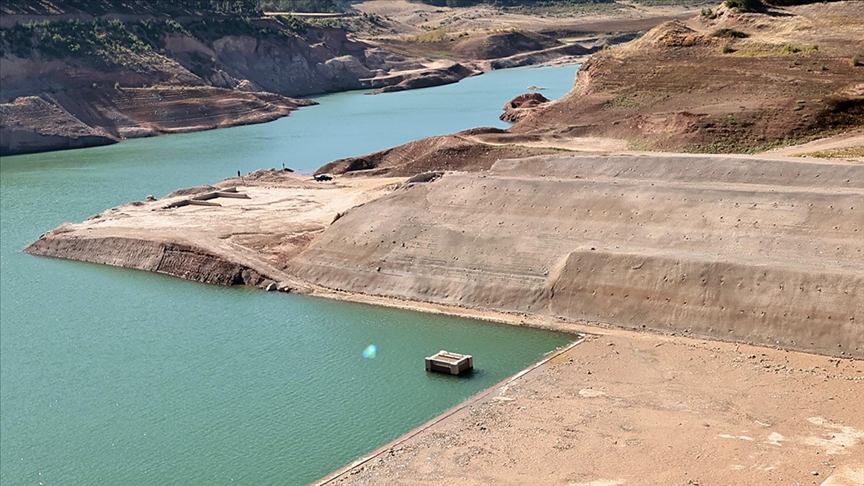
{"x":838,"y":153}
{"x":759,"y":49}
{"x":434,"y":35}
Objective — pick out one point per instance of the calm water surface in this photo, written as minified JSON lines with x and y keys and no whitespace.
{"x":113,"y":376}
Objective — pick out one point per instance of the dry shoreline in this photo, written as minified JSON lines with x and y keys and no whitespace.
{"x":448,"y":416}
{"x":630,"y":408}
{"x":44,"y":108}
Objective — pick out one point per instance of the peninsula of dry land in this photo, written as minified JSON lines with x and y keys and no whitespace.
{"x":675,"y":264}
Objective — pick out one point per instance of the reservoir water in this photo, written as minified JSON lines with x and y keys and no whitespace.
{"x":114,"y":376}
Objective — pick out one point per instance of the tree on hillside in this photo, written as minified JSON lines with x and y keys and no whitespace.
{"x":312,"y":6}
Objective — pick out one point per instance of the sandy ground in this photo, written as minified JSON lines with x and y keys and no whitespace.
{"x":627,"y":408}
{"x":282,"y":214}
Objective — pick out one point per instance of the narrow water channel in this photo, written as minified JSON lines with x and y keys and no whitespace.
{"x":114,"y":376}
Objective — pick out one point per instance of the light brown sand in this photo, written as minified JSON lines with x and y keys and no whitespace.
{"x":635,"y":409}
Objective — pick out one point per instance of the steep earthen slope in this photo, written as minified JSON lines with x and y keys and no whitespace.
{"x":734,"y":248}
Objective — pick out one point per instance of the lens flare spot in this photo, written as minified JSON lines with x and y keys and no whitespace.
{"x":370,"y":352}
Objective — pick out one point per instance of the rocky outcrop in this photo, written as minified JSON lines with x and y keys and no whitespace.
{"x":425,"y":78}
{"x":568,"y":52}
{"x":322,"y":60}
{"x":520,"y":106}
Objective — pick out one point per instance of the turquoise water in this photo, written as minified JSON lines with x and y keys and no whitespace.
{"x":112,"y":376}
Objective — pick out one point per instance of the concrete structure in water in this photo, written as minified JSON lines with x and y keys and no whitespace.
{"x":452,"y":363}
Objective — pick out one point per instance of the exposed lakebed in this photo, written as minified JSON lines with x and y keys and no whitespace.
{"x":117,"y":376}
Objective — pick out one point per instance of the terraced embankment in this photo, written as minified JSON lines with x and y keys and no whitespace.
{"x":727,"y":247}
{"x":734,"y":248}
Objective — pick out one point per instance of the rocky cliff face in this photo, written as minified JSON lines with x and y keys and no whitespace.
{"x":91,"y":117}
{"x":177,"y":79}
{"x":320,"y":61}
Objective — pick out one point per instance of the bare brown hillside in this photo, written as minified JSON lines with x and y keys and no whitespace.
{"x":724,"y":82}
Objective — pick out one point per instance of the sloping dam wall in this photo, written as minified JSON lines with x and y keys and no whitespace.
{"x":735,"y":248}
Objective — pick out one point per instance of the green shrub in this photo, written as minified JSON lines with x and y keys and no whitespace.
{"x":70,"y":38}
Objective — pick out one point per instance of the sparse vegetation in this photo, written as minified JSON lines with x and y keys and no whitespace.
{"x":512,"y":3}
{"x":727,"y":49}
{"x":729,"y":34}
{"x":799,"y":49}
{"x":311,"y":6}
{"x":771,"y":50}
{"x":657,"y":3}
{"x":746,"y":5}
{"x":856,"y":61}
{"x":709,"y":14}
{"x":70,"y":38}
{"x":620,"y":101}
{"x":434,"y":35}
{"x":73,"y":38}
{"x":838,"y":153}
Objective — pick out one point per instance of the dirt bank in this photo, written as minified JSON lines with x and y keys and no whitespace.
{"x":734,"y":248}
{"x":445,"y":152}
{"x":226,"y":241}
